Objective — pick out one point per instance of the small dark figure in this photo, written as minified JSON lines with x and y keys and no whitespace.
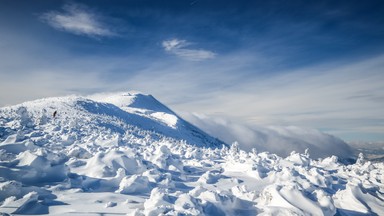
{"x":54,"y":114}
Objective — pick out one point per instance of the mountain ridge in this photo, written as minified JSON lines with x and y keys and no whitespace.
{"x":143,"y":112}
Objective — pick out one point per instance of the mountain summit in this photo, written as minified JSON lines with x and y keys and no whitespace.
{"x":123,"y":116}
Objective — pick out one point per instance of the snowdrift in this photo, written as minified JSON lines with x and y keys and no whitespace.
{"x":129,"y":154}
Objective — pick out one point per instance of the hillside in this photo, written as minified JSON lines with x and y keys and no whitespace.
{"x":127,"y":114}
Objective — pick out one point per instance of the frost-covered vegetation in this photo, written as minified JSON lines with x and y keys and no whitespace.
{"x":129,"y":154}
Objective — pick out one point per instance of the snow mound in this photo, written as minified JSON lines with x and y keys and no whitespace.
{"x":134,"y":184}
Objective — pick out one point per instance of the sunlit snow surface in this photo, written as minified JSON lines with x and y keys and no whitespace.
{"x":129,"y":154}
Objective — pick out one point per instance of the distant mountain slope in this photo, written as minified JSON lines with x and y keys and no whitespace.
{"x":373,"y":151}
{"x":125,"y":114}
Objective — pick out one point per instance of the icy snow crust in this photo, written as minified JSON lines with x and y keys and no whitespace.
{"x":129,"y":154}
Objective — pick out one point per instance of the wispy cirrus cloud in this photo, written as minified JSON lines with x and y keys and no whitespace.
{"x":78,"y":19}
{"x":181,"y":49}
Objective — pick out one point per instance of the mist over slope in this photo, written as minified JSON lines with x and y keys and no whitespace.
{"x":129,"y":154}
{"x":275,"y":139}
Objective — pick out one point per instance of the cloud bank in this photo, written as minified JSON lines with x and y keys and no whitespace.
{"x":275,"y":139}
{"x":77,"y":19}
{"x":180,"y":49}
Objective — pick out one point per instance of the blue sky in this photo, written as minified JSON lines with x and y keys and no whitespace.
{"x":310,"y":64}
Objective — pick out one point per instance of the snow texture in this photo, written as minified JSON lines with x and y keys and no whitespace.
{"x":127,"y":154}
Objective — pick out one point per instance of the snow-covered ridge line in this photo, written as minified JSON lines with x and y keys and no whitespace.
{"x":116,"y":113}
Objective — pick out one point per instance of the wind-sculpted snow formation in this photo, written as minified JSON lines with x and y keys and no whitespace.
{"x":129,"y":154}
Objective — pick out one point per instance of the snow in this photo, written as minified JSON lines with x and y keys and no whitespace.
{"x":141,"y":104}
{"x":128,"y":154}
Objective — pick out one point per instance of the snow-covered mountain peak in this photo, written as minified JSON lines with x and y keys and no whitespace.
{"x":135,"y":100}
{"x":141,"y":104}
{"x":132,"y":114}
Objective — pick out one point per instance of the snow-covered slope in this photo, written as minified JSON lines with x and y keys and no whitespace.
{"x":118,"y":115}
{"x":129,"y":154}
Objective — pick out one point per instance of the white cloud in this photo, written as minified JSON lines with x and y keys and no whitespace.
{"x":172,"y":44}
{"x":77,"y":19}
{"x":180,"y":48}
